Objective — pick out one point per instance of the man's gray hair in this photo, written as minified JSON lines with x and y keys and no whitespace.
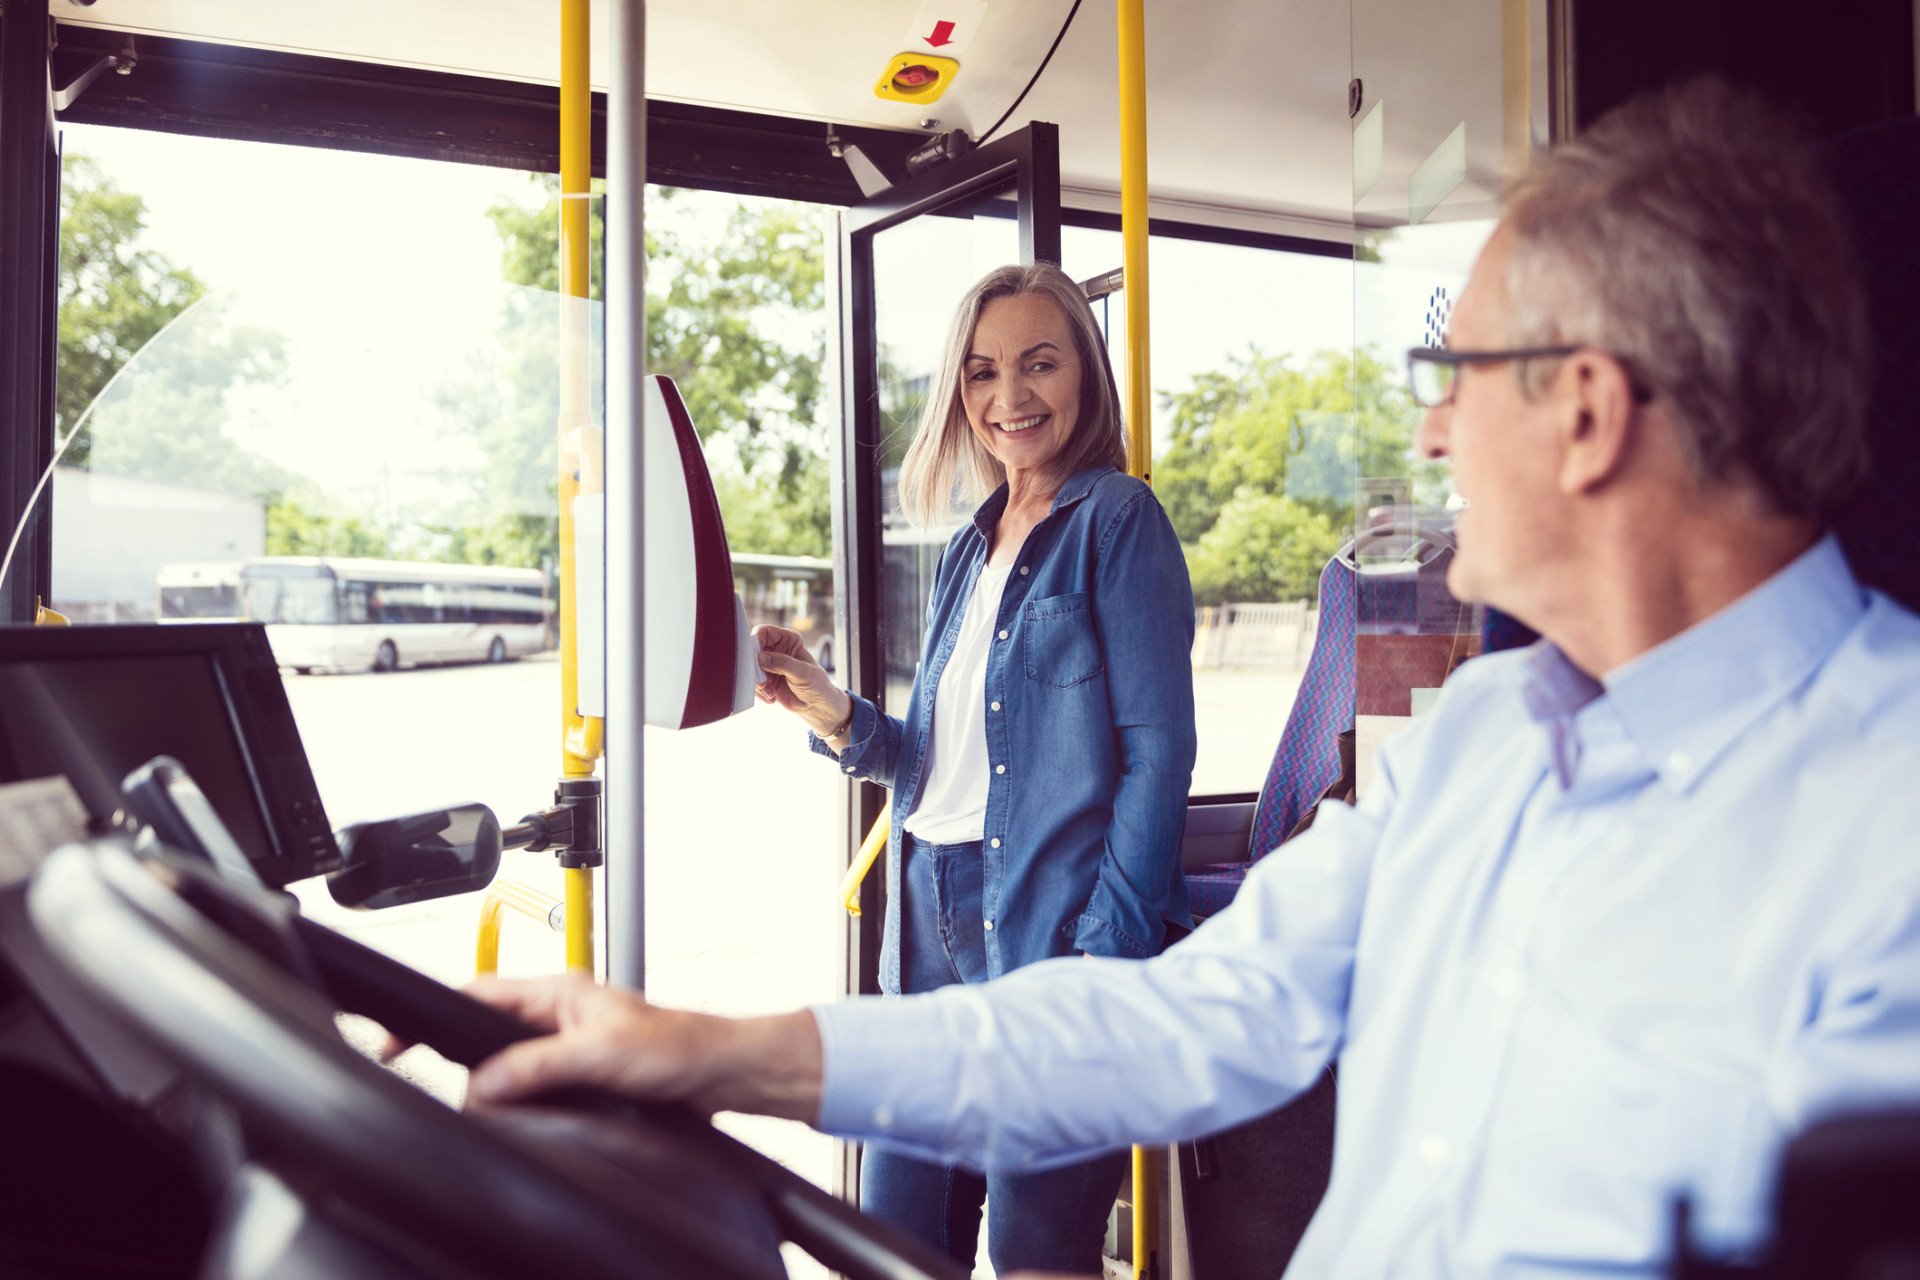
{"x":1692,"y":234}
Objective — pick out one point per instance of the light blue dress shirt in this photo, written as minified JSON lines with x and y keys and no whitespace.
{"x":1579,"y":949}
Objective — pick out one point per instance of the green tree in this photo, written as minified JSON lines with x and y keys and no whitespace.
{"x":1263,"y":547}
{"x":734,"y":319}
{"x":115,"y":293}
{"x":293,"y":530}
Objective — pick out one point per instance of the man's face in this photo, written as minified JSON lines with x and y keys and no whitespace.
{"x":1505,"y":452}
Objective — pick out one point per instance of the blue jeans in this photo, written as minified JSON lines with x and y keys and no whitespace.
{"x":1051,"y":1221}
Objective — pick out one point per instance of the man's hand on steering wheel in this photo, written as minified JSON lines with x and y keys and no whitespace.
{"x":611,"y":1039}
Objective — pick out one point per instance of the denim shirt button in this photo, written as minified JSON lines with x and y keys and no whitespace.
{"x":996,"y":842}
{"x":999,"y":768}
{"x":987,"y":925}
{"x":1003,"y":635}
{"x":994,"y":705}
{"x":1023,"y":571}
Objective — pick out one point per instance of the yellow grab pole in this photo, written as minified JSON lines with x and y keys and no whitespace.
{"x":870,"y":848}
{"x":1133,"y":232}
{"x":581,"y":450}
{"x":1133,"y":239}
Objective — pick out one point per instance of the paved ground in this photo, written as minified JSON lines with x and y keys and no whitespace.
{"x":741,"y":856}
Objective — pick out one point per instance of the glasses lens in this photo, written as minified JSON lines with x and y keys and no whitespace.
{"x":1430,"y":382}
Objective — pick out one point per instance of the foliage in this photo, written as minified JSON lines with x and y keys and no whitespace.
{"x":1258,"y":475}
{"x":293,"y":530}
{"x":733,"y":317}
{"x":1263,"y":547}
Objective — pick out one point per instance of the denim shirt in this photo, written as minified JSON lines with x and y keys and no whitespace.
{"x":1089,"y":719}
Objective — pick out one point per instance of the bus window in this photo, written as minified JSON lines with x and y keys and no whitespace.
{"x":352,"y":406}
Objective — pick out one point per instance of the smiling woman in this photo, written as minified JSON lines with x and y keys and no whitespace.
{"x":1059,"y":629}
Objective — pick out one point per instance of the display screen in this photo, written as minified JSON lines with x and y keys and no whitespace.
{"x":94,"y":720}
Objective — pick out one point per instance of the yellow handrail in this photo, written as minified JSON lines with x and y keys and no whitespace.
{"x":869,"y":851}
{"x":525,"y":899}
{"x":1133,"y":237}
{"x":582,"y":470}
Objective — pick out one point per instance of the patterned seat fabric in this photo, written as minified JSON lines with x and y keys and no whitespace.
{"x":1878,"y":172}
{"x":1308,"y":759}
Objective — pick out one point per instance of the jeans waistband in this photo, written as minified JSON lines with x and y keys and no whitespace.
{"x":961,"y":848}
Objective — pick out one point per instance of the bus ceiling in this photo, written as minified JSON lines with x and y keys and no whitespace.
{"x":1252,"y":130}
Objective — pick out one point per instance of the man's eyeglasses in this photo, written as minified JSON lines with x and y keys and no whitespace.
{"x":1434,"y":372}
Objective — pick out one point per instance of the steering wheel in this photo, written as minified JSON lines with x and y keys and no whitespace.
{"x":232,"y":986}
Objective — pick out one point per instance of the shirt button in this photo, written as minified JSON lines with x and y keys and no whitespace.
{"x":1003,"y":635}
{"x":1434,"y":1150}
{"x":999,"y":768}
{"x":1023,"y":571}
{"x":996,"y":842}
{"x":883,"y":1116}
{"x":987,"y":925}
{"x":994,"y":705}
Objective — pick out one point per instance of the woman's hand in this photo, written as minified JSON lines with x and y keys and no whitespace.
{"x":798,"y":683}
{"x":610,"y":1038}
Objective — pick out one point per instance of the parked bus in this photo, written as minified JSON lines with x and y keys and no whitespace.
{"x":789,"y":591}
{"x":341,"y":614}
{"x":199,"y":591}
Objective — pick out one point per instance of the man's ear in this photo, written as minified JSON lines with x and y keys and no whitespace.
{"x":1601,"y":422}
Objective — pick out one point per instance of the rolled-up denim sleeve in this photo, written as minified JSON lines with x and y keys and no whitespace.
{"x":873,"y":744}
{"x":1143,"y":610}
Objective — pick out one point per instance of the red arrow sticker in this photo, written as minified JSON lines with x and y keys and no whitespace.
{"x":946,"y":25}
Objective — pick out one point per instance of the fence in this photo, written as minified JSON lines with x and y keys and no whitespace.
{"x":1272,"y":636}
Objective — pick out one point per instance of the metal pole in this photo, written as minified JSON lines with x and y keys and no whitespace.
{"x":626,"y":294}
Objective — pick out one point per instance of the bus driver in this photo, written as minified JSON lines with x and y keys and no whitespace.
{"x":1622,"y":911}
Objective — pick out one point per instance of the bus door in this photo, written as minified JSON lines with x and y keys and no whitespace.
{"x":906,"y":256}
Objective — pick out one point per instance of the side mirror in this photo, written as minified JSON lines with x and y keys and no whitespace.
{"x":416,"y":858}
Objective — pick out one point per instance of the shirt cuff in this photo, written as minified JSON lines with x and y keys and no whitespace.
{"x":861,"y":731}
{"x":880,"y":1081}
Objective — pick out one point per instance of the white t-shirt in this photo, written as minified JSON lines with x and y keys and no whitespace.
{"x":952,"y":807}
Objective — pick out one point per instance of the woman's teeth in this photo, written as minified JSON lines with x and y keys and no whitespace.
{"x":1024,"y":424}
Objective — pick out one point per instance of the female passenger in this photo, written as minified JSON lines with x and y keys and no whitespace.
{"x":1040,"y":774}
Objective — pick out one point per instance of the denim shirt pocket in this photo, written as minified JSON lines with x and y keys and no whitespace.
{"x":1058,"y":641}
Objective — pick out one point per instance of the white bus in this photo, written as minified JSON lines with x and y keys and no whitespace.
{"x":199,"y":591}
{"x":789,"y":591}
{"x":327,"y":613}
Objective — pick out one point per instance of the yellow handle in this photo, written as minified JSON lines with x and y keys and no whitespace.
{"x":525,"y":899}
{"x":869,"y":852}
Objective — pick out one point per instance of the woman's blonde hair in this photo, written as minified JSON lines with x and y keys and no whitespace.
{"x":945,"y":455}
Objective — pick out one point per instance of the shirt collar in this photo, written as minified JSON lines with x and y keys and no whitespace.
{"x":1684,"y":702}
{"x":1077,"y":486}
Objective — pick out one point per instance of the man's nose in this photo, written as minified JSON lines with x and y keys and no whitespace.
{"x":1430,"y":437}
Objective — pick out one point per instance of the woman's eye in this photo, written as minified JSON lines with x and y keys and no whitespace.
{"x":1041,"y":366}
{"x":980,"y":375}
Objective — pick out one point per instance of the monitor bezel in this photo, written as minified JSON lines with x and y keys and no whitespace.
{"x":253,"y":697}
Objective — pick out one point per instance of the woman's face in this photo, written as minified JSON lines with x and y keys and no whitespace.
{"x":1021,"y":382}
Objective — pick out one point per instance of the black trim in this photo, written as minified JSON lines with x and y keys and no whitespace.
{"x":1342,"y":249}
{"x":1029,"y":161}
{"x":260,"y":95}
{"x":29,"y":280}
